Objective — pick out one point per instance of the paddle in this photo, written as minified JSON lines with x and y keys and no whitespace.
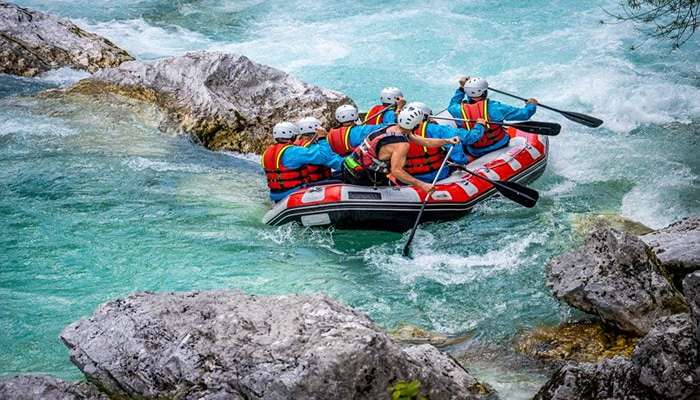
{"x":537,"y":127}
{"x":520,"y":194}
{"x":582,"y":119}
{"x":407,"y":246}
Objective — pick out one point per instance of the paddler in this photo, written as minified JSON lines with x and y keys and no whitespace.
{"x":384,"y":152}
{"x":384,"y":113}
{"x":423,"y":162}
{"x":471,"y":102}
{"x":285,"y":163}
{"x":312,"y":136}
{"x":351,"y":133}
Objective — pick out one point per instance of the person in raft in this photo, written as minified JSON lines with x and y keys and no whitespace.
{"x":285,"y":163}
{"x":384,"y":152}
{"x":384,"y":113}
{"x":471,"y":102}
{"x":424,"y":162}
{"x":349,"y":135}
{"x":312,"y":135}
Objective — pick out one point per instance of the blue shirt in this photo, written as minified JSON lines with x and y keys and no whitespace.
{"x":389,"y":117}
{"x":498,"y":112}
{"x":318,"y":153}
{"x":358,"y":133}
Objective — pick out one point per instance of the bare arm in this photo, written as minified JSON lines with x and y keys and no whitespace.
{"x":398,"y":159}
{"x":431,"y":142}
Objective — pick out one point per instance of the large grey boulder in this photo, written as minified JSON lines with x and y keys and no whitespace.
{"x":691,"y":290}
{"x":663,"y":366}
{"x":615,"y":276}
{"x":32,"y":42}
{"x":615,"y":378}
{"x":667,"y":358}
{"x":226,"y":101}
{"x":677,"y":246}
{"x":43,"y":387}
{"x":230,"y":345}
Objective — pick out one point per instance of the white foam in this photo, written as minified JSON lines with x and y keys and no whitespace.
{"x":63,"y":76}
{"x":144,"y":40}
{"x":141,"y":163}
{"x":444,"y":267}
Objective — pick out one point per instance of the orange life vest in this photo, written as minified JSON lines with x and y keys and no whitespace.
{"x":339,"y":140}
{"x":493,"y":133}
{"x":422,"y":159}
{"x":376,"y":114}
{"x":313,"y":173}
{"x":279,"y":177}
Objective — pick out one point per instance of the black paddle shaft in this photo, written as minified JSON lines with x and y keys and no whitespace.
{"x":582,"y":119}
{"x":520,"y":194}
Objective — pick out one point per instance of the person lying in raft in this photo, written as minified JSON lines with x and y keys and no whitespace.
{"x":285,"y":163}
{"x":349,"y":135}
{"x":477,"y":105}
{"x":424,"y":162}
{"x":384,"y":113}
{"x":384,"y":152}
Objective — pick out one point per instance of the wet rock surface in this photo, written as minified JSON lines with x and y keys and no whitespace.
{"x":225,"y":101}
{"x":32,"y":42}
{"x":229,"y":345}
{"x":677,"y":246}
{"x":615,"y":276}
{"x":41,"y":387}
{"x":579,"y":342}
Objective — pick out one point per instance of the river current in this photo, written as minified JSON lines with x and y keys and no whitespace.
{"x":97,"y":202}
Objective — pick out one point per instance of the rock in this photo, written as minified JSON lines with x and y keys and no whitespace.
{"x":229,"y":345}
{"x":32,"y":42}
{"x":691,"y":290}
{"x":615,"y":378}
{"x":39,"y":387}
{"x":667,"y":358}
{"x":584,"y":224}
{"x":411,"y":334}
{"x":617,"y":277}
{"x":225,"y":101}
{"x":579,"y":342}
{"x":677,"y":246}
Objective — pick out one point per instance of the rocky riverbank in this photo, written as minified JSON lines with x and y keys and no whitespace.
{"x":32,"y":42}
{"x":629,"y":285}
{"x":224,"y":101}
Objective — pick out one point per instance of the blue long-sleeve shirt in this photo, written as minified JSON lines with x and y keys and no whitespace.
{"x":389,"y":117}
{"x":445,"y":132}
{"x":498,"y":112}
{"x":318,"y":153}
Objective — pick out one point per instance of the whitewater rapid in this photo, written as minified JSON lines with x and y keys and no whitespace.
{"x":99,"y":202}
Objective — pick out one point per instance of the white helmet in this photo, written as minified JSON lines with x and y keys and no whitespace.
{"x":284,"y":130}
{"x":346,"y":113}
{"x":390,"y":95}
{"x":427,"y":111}
{"x":476,"y":87}
{"x":409,"y":118}
{"x":308,"y":125}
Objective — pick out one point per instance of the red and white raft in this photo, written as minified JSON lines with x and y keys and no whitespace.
{"x":395,"y":208}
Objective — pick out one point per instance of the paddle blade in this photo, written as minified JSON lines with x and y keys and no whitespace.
{"x":520,"y":194}
{"x":582,"y":119}
{"x":537,"y":127}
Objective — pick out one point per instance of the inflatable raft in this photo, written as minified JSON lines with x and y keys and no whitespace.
{"x":395,"y":208}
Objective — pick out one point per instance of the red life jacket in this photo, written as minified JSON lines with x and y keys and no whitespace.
{"x":339,"y":140}
{"x":279,"y":177}
{"x":493,"y":133}
{"x":422,"y":159}
{"x":313,"y":173}
{"x":376,"y":114}
{"x":367,"y":155}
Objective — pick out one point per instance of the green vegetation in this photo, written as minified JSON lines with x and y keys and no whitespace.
{"x":407,"y":391}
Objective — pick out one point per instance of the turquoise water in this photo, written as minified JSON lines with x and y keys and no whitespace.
{"x":98,"y":202}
